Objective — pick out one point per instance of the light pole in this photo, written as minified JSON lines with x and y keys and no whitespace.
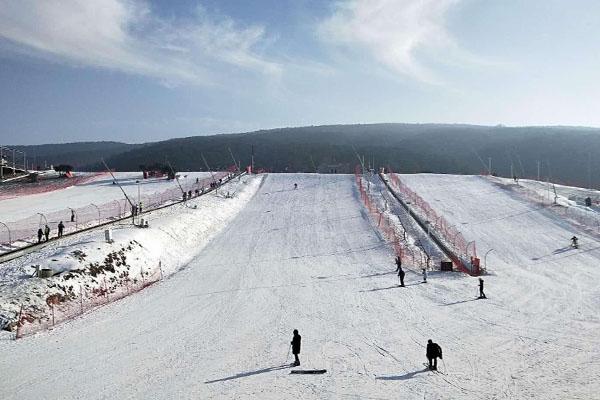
{"x":138,"y":187}
{"x":485,"y":258}
{"x":97,"y":208}
{"x":43,"y":216}
{"x":9,"y":238}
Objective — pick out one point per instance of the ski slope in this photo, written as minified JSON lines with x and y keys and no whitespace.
{"x":98,"y":191}
{"x":309,"y":259}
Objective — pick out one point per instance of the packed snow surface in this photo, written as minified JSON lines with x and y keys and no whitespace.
{"x":309,"y":259}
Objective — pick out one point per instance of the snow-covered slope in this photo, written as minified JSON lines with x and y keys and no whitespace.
{"x":309,"y":259}
{"x":90,"y":266}
{"x":98,"y":191}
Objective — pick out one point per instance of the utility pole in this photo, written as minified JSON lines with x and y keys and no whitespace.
{"x":313,"y":164}
{"x":252,"y":161}
{"x":120,"y":187}
{"x":234,"y":161}
{"x":490,"y":165}
{"x":590,"y":171}
{"x":211,"y":174}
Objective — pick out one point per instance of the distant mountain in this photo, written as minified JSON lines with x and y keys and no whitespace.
{"x":565,"y":154}
{"x":79,"y":154}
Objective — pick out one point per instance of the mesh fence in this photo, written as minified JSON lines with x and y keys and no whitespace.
{"x":585,"y":217}
{"x":391,"y":229}
{"x":25,"y":232}
{"x":447,"y":233}
{"x":61,"y":307}
{"x":10,"y":190}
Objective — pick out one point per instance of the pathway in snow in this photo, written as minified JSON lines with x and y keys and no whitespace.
{"x":309,"y":259}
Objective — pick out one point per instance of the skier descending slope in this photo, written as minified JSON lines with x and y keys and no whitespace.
{"x":574,"y":242}
{"x":433,"y":352}
{"x":296,"y":347}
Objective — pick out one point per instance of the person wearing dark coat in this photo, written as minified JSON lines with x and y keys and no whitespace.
{"x":296,"y":347}
{"x":433,"y":352}
{"x":398,"y":262}
{"x":47,"y":232}
{"x":72,"y":216}
{"x":61,"y":228}
{"x":481,"y":294}
{"x":400,"y":270}
{"x":40,"y":234}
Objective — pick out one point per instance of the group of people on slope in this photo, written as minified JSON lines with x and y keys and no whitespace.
{"x":46,"y":232}
{"x":401,"y":274}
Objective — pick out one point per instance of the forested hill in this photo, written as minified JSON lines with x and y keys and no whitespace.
{"x":565,"y":154}
{"x":78,"y":154}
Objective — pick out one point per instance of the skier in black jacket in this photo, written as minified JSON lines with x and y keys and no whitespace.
{"x":40,"y":234}
{"x":296,"y":347}
{"x":400,"y":270}
{"x":433,"y":352}
{"x":481,"y":294}
{"x":574,"y":243}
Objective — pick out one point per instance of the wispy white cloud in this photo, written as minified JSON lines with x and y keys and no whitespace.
{"x":126,"y":35}
{"x":407,"y":36}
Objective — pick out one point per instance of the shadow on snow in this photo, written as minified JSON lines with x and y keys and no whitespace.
{"x":250,"y":373}
{"x":404,"y":377}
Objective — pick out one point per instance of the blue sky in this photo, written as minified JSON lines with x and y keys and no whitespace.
{"x":135,"y":71}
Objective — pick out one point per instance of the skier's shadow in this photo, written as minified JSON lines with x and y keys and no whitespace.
{"x":459,"y":302}
{"x":378,"y":289}
{"x":389,"y":287}
{"x":562,"y":250}
{"x":404,"y":377}
{"x":250,"y":373}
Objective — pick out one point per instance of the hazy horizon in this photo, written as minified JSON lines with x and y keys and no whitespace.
{"x":147,"y":70}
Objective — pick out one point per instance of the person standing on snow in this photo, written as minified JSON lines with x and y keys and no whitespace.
{"x":40,"y":234}
{"x":400,"y":275}
{"x":481,"y":294}
{"x":295,"y":186}
{"x":433,"y":352}
{"x":296,"y":347}
{"x":61,"y":228}
{"x":424,"y":275}
{"x":47,"y":232}
{"x":72,"y":216}
{"x":574,"y":242}
{"x":398,"y":262}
